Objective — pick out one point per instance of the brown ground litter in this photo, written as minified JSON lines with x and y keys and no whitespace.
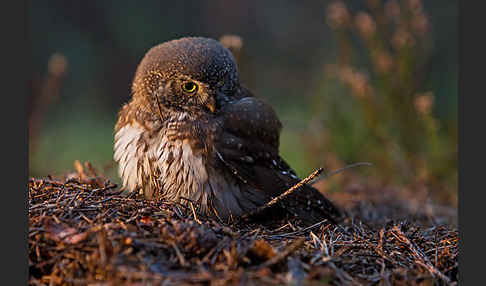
{"x":83,"y":231}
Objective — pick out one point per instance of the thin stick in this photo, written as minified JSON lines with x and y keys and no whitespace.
{"x":299,"y":231}
{"x":420,"y":257}
{"x":342,"y":169}
{"x":284,"y":194}
{"x":194,"y":213}
{"x":181,"y":258}
{"x":295,"y":245}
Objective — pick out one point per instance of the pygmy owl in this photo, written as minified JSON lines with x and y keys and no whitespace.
{"x":192,"y":133}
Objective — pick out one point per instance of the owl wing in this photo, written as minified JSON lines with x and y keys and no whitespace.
{"x":249,"y":148}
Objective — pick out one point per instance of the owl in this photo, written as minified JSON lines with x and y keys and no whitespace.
{"x":192,"y":134}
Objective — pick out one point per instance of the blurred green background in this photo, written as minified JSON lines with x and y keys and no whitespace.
{"x":372,"y":81}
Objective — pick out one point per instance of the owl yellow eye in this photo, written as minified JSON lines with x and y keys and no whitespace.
{"x":189,"y":87}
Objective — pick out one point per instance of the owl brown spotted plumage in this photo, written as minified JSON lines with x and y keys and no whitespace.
{"x":192,"y":133}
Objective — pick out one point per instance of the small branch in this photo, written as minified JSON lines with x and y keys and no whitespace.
{"x":45,"y":95}
{"x":182,"y":260}
{"x":298,"y":231}
{"x":234,"y":43}
{"x":284,"y":194}
{"x":194,"y":213}
{"x":282,"y":255}
{"x":420,"y":257}
{"x":342,"y":169}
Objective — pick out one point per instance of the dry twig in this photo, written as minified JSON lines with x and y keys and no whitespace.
{"x":283,"y":195}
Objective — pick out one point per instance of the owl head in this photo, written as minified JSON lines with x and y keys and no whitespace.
{"x":191,"y":74}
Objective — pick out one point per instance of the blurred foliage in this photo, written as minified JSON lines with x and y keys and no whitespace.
{"x":385,"y":112}
{"x":372,"y":85}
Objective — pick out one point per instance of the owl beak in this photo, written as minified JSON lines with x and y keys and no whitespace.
{"x":211,"y":106}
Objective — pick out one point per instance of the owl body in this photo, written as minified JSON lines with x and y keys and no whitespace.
{"x":181,"y":170}
{"x":193,"y":133}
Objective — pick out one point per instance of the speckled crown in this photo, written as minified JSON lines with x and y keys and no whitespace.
{"x":203,"y":59}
